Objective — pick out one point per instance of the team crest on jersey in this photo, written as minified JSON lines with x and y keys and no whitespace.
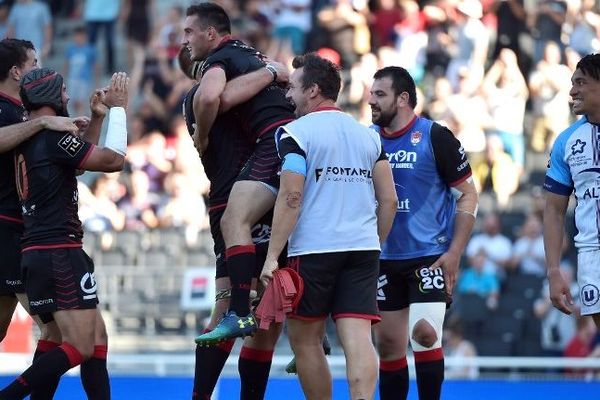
{"x":578,"y":147}
{"x":70,"y":144}
{"x":415,"y":137}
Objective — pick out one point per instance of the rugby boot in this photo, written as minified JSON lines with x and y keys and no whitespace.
{"x":229,"y":327}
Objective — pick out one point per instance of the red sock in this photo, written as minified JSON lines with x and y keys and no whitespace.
{"x":44,"y":392}
{"x":393,"y":379}
{"x":429,"y":366}
{"x":48,"y":368}
{"x":209,"y":364}
{"x":94,"y":375}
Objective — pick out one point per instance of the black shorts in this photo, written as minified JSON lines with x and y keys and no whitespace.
{"x":264,"y":164}
{"x":59,"y":279}
{"x":341,"y":284}
{"x":403,"y":282}
{"x":11,"y":280}
{"x":261,"y":232}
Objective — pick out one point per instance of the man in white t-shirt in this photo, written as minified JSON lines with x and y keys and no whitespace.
{"x":336,"y":204}
{"x":496,"y":246}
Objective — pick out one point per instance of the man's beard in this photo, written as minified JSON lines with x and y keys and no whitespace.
{"x":384,"y":119}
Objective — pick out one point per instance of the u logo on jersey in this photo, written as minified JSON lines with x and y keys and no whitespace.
{"x":589,"y":295}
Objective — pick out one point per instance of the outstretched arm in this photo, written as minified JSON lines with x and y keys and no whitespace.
{"x":13,"y":135}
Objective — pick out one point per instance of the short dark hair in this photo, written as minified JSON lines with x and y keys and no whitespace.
{"x":590,"y":65}
{"x":211,"y":14}
{"x":321,"y":72}
{"x":401,"y":82}
{"x":13,"y":52}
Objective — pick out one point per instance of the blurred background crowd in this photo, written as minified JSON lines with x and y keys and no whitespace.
{"x":496,"y":72}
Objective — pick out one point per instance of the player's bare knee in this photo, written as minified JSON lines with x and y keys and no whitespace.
{"x":424,"y":334}
{"x":388,"y":346}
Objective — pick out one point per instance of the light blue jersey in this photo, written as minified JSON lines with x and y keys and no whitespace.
{"x":426,"y":160}
{"x":575,"y":165}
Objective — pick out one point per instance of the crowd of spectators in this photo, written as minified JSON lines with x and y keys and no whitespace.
{"x":496,"y":72}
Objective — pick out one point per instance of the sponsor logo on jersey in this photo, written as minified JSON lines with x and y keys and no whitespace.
{"x":415,"y":137}
{"x":88,"y":286}
{"x":430,"y":279}
{"x":35,"y":303}
{"x":261,"y":233}
{"x":343,"y":174}
{"x":70,"y":144}
{"x":404,"y":205}
{"x":381,"y":282}
{"x":402,"y":159}
{"x":589,"y":295}
{"x":591,"y":193}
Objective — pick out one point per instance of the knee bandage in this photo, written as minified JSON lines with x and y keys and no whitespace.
{"x":434,"y":314}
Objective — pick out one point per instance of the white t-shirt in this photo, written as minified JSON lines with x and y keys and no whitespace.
{"x":338,"y":209}
{"x":497,"y":249}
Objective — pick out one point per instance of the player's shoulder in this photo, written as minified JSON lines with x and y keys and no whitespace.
{"x":564,"y":136}
{"x":11,"y":106}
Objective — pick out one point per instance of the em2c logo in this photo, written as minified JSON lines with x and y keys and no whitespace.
{"x":430,"y":279}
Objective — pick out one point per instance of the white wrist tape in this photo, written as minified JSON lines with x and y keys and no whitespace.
{"x":116,"y":134}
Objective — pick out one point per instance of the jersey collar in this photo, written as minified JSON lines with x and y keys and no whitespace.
{"x":325,"y":109}
{"x":393,"y":135}
{"x":13,"y":100}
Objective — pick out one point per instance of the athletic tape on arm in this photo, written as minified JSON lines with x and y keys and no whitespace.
{"x":294,"y":163}
{"x":116,"y":134}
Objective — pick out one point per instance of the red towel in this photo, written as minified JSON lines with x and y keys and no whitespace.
{"x":280,"y":297}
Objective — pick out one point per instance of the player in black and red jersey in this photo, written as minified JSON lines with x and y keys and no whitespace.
{"x":226,"y":154}
{"x":207,"y":35}
{"x":59,"y":276}
{"x":17,"y":57}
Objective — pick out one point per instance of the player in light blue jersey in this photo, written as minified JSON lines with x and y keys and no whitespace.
{"x":575,"y":166}
{"x":419,"y":260}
